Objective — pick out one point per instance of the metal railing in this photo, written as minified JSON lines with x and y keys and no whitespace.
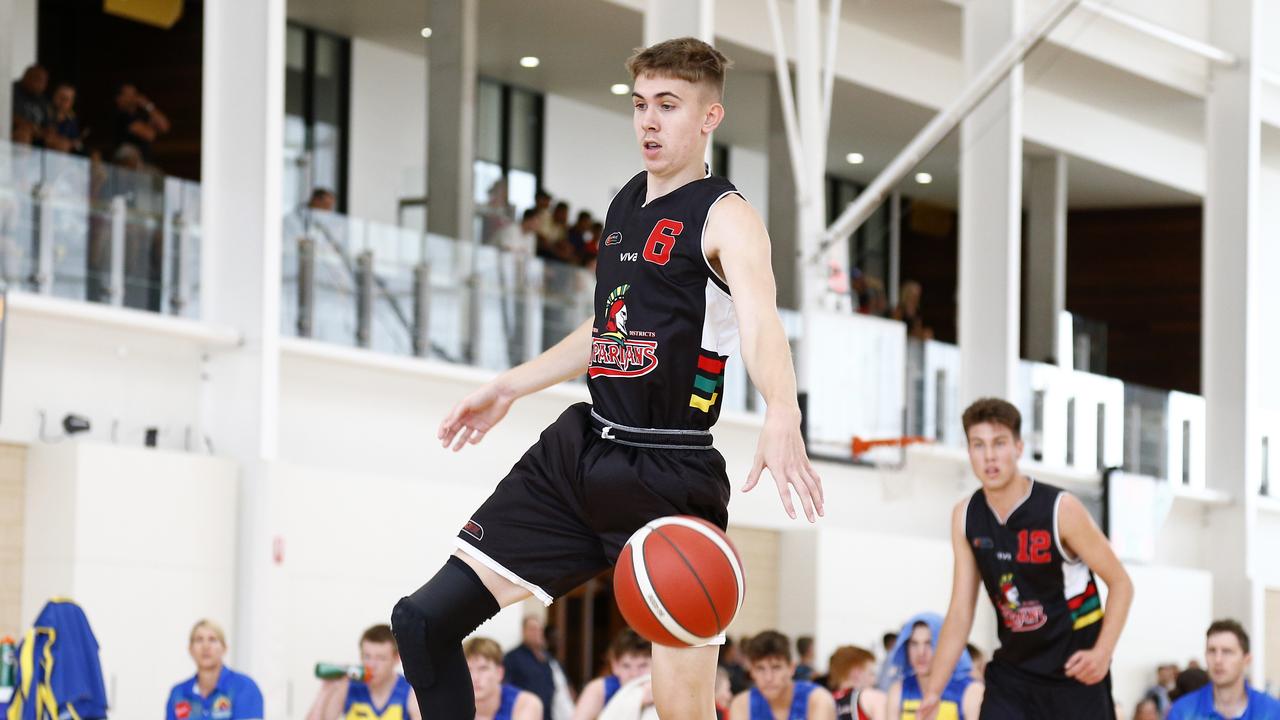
{"x":82,"y":229}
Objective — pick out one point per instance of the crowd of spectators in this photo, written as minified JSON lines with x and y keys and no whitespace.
{"x":543,"y":230}
{"x":45,"y":116}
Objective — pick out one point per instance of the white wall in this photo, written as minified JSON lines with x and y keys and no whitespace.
{"x":144,"y":540}
{"x":588,"y":153}
{"x":59,"y":355}
{"x":749,"y":171}
{"x":388,"y":130}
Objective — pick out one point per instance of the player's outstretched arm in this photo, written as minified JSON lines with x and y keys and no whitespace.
{"x":959,"y":621}
{"x":737,"y":239}
{"x":477,"y":413}
{"x":1085,"y":540}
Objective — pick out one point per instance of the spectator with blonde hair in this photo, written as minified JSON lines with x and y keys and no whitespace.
{"x":495,"y":700}
{"x":215,"y":691}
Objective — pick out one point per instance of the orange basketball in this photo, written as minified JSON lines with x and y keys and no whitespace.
{"x":679,"y":581}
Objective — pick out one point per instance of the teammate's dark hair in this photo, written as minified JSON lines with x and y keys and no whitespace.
{"x":629,"y":642}
{"x":804,"y":644}
{"x":686,"y":58}
{"x":380,"y":634}
{"x":1233,"y":627}
{"x":767,"y":644}
{"x":995,"y":411}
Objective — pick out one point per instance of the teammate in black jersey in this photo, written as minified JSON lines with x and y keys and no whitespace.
{"x":683,"y":271}
{"x":1035,"y":549}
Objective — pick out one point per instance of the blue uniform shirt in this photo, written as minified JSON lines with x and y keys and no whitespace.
{"x":1199,"y":706}
{"x":360,"y":706}
{"x":760,"y":709}
{"x":235,"y":697}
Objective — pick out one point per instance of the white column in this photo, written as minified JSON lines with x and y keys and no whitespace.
{"x":783,"y":209}
{"x":451,"y":116}
{"x":668,"y":19}
{"x":7,"y":71}
{"x":242,"y":156}
{"x":1046,"y":255}
{"x":1230,"y":368}
{"x":990,"y":211}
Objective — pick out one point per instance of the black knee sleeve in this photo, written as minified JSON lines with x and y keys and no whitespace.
{"x":429,"y":626}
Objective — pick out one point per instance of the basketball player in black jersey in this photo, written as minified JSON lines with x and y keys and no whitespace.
{"x":1035,"y":549}
{"x":683,"y":272}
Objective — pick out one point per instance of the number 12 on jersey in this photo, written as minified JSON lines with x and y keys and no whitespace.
{"x":1033,"y":547}
{"x":657,"y":249}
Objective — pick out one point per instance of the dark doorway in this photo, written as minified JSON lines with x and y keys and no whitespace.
{"x":97,"y":52}
{"x":586,"y":621}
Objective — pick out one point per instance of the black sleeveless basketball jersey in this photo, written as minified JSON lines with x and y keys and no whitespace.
{"x":1047,"y":604}
{"x":664,"y":321}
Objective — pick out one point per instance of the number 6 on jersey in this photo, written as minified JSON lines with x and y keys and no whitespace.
{"x":657,"y":249}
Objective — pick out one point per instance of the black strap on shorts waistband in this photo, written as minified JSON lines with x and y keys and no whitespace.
{"x":658,"y":438}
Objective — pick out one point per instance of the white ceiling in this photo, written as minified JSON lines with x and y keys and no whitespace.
{"x":582,"y":45}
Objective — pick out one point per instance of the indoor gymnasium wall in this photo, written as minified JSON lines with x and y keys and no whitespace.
{"x":387,"y":156}
{"x":586,"y":156}
{"x":145,"y":542}
{"x":13,"y":484}
{"x":122,"y":371}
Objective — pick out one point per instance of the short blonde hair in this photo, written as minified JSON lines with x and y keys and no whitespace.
{"x":483,"y":647}
{"x":212,"y":627}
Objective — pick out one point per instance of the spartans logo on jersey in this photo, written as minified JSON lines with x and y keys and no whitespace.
{"x":1017,"y":615}
{"x":614,"y":352}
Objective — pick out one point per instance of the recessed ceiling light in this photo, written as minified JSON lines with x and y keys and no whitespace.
{"x":620,"y":89}
{"x":854,"y":158}
{"x":924,"y":178}
{"x":529,"y":61}
{"x":426,"y":32}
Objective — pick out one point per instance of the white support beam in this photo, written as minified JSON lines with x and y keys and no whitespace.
{"x":1046,"y":256}
{"x":1231,"y":366}
{"x":991,"y":208}
{"x":242,"y":161}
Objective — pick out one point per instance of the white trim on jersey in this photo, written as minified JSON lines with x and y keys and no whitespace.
{"x":497,"y":567}
{"x":702,"y":241}
{"x":719,"y":322}
{"x":1005,"y":521}
{"x":1057,"y":534}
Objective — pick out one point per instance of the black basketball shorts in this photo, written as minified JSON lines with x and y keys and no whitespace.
{"x":1011,"y":694}
{"x":564,"y":512}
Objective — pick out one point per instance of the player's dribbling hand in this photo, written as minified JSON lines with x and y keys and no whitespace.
{"x":928,"y":707}
{"x":781,"y":450}
{"x":1089,"y":666}
{"x":473,"y":416}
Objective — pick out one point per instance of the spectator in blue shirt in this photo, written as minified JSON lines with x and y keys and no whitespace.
{"x":216,"y":692}
{"x":1227,"y":696}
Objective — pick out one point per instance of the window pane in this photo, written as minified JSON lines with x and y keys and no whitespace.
{"x":524,"y":130}
{"x":489,"y":122}
{"x":295,"y":48}
{"x":521,"y":187}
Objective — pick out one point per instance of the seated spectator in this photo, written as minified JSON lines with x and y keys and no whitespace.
{"x":32,"y":114}
{"x":386,"y":688}
{"x":528,"y":666}
{"x":888,"y":671}
{"x":138,"y":121}
{"x":877,"y":301}
{"x":216,"y":691}
{"x":64,"y":133}
{"x":730,"y":660}
{"x":580,"y":236}
{"x":804,"y":650}
{"x":1189,"y":681}
{"x":323,"y":199}
{"x":521,"y":239}
{"x":1147,"y":709}
{"x":1166,"y":681}
{"x":553,"y":237}
{"x":914,"y":653}
{"x":629,"y":658}
{"x":1228,"y":694}
{"x":979,"y":661}
{"x":776,"y":693}
{"x":851,"y":678}
{"x":908,"y":311}
{"x":495,"y":700}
